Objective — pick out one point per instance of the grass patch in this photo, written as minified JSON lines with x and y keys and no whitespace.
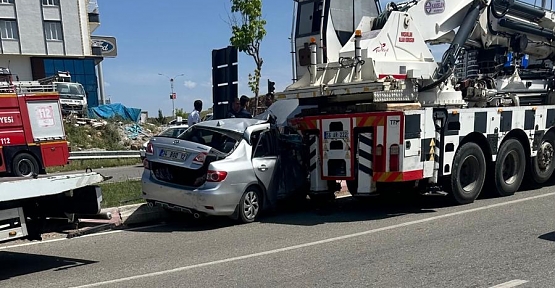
{"x":87,"y":137}
{"x":121,"y":193}
{"x":81,"y":165}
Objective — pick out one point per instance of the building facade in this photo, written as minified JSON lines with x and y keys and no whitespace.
{"x":41,"y":37}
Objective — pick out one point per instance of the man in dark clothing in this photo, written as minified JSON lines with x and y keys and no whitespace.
{"x":238,"y":108}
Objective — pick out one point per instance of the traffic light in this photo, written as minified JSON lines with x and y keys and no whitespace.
{"x":271,"y":86}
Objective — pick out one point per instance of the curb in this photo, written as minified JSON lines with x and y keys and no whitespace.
{"x":140,"y":214}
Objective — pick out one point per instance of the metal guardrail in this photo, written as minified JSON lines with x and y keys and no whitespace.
{"x":89,"y":155}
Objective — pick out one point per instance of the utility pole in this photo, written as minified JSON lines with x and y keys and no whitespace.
{"x":172,"y":95}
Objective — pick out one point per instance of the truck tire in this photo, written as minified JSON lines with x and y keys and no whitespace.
{"x":509,"y":167}
{"x":24,"y":165}
{"x":543,"y":164}
{"x":468,"y":174}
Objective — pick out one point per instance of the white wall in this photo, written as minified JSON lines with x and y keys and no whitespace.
{"x":20,"y":65}
{"x":31,"y":30}
{"x":71,"y":26}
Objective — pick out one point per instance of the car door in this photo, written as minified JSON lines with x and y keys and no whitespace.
{"x":264,"y":158}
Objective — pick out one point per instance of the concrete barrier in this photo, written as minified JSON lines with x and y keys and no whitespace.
{"x":141,"y":213}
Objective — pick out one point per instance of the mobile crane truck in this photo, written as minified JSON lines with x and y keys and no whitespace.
{"x":386,"y":112}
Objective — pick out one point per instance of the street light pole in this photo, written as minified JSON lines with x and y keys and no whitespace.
{"x":171,"y":87}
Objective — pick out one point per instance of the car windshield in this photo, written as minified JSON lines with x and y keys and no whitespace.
{"x":220,"y":140}
{"x":172,"y":132}
{"x":70,"y":89}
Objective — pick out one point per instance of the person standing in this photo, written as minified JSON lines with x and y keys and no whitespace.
{"x":238,"y":109}
{"x":194,"y":116}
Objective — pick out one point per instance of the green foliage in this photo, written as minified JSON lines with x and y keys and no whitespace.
{"x":161,"y":119}
{"x":87,"y":137}
{"x":247,"y":31}
{"x":180,"y":112}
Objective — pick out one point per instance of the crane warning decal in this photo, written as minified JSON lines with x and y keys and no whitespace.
{"x":434,"y":6}
{"x":45,"y":116}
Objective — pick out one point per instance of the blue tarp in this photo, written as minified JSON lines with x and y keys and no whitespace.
{"x":113,"y":110}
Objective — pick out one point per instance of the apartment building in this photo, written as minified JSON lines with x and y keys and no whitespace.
{"x":41,"y":37}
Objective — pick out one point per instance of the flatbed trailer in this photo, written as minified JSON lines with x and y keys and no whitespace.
{"x":26,"y":202}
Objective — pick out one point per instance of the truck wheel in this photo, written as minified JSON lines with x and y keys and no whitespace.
{"x":509,"y":167}
{"x":543,"y":164}
{"x":250,"y":205}
{"x":469,"y":173}
{"x":24,"y":165}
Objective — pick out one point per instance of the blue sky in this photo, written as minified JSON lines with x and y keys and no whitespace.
{"x":178,"y":36}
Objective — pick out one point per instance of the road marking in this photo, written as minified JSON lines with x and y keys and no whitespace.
{"x":315,"y":243}
{"x":509,"y":284}
{"x":84,"y":236}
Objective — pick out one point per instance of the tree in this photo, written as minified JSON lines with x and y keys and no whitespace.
{"x":161,"y":119}
{"x":247,"y":32}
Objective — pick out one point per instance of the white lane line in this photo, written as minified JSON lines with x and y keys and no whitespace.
{"x":509,"y":284}
{"x":309,"y":244}
{"x":84,"y":236}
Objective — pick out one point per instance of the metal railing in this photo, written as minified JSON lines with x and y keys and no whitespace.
{"x":90,"y":155}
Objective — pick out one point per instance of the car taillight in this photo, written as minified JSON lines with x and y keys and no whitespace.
{"x":394,"y":157}
{"x":146,"y":164}
{"x":215,"y":176}
{"x":201,"y":157}
{"x":149,"y":148}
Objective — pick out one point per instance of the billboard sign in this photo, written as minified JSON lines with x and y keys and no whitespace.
{"x":107,"y":44}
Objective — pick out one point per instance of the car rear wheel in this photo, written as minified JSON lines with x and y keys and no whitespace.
{"x":250,"y":205}
{"x":25,"y":165}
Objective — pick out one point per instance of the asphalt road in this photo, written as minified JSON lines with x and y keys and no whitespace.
{"x":119,"y":174}
{"x":415,"y":242}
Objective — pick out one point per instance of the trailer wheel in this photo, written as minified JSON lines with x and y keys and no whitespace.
{"x":469,"y":173}
{"x":543,"y":164}
{"x":24,"y":165}
{"x":509,"y":167}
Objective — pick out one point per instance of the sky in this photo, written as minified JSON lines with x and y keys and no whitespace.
{"x":175,"y":37}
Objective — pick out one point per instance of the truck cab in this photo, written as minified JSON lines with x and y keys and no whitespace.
{"x":73,"y":98}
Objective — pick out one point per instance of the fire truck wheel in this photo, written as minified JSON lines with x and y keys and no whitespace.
{"x":25,"y":165}
{"x":468,"y":174}
{"x":509,"y":167}
{"x":543,"y":164}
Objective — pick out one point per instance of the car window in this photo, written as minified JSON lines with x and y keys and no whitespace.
{"x":263,"y":145}
{"x":220,"y":141}
{"x":172,"y":132}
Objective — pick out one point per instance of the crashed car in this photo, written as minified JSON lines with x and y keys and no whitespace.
{"x":231,"y":167}
{"x":172,"y":132}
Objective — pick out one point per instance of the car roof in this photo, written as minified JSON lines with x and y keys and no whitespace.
{"x":231,"y":124}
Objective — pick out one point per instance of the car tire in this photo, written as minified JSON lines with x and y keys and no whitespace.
{"x":25,"y":165}
{"x":250,"y":205}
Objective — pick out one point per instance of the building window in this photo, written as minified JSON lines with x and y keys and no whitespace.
{"x":8,"y":29}
{"x":6,"y":1}
{"x":53,"y":30}
{"x":50,"y":2}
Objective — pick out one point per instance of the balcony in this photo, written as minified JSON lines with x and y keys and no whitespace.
{"x":94,"y":16}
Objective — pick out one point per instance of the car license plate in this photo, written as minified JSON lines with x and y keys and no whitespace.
{"x":336,"y":134}
{"x":173,"y":155}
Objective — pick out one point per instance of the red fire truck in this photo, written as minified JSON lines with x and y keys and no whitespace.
{"x":32,"y":135}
